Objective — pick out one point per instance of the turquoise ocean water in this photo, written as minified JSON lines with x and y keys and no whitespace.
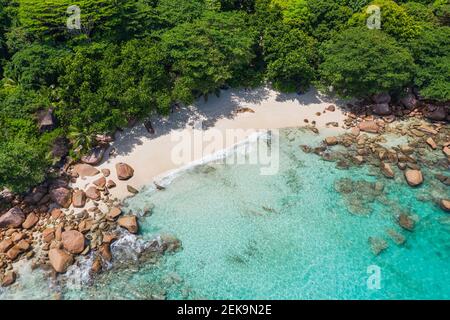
{"x":284,"y":236}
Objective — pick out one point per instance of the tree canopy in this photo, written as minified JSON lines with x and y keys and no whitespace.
{"x":131,"y":58}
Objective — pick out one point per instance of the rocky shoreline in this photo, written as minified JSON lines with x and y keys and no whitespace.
{"x":424,"y":137}
{"x":54,"y":225}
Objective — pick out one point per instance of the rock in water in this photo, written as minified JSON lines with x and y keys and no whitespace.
{"x":124,"y":171}
{"x":431,"y":143}
{"x":129,"y":223}
{"x":60,"y":260}
{"x":445,"y":204}
{"x":96,"y":265}
{"x":446,"y":151}
{"x":331,"y":141}
{"x":73,"y":241}
{"x":378,"y":245}
{"x":8,"y":279}
{"x":62,"y":196}
{"x":406,"y":222}
{"x":413,"y":177}
{"x":12,"y":219}
{"x":105,"y":252}
{"x":396,"y":237}
{"x":387,"y":170}
{"x":132,"y":190}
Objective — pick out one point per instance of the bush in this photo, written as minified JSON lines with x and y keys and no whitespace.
{"x":361,"y":62}
{"x":291,"y":58}
{"x":431,"y":52}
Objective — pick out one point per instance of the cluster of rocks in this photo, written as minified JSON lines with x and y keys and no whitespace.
{"x":41,"y":227}
{"x":425,"y":137}
{"x":427,"y":146}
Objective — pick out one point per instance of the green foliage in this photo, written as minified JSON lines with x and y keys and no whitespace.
{"x":23,"y":163}
{"x":291,"y":58}
{"x":47,"y":20}
{"x":36,"y":66}
{"x":361,"y":62}
{"x":421,"y":12}
{"x":441,"y":9}
{"x":431,"y":52}
{"x":320,"y":18}
{"x":395,"y":20}
{"x":207,"y":53}
{"x":132,"y":58}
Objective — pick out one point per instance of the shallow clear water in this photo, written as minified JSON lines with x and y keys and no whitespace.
{"x":286,"y":236}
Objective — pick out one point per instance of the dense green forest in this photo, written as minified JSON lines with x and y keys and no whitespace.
{"x":131,"y":58}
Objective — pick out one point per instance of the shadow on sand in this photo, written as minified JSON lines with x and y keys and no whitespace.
{"x":210,"y":111}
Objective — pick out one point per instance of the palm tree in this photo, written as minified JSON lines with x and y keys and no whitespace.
{"x":81,"y":140}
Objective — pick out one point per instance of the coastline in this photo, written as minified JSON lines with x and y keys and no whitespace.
{"x":151,"y":155}
{"x":104,"y":221}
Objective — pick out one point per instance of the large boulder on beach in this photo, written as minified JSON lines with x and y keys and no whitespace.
{"x":79,"y":199}
{"x":409,"y":101}
{"x":6,"y":197}
{"x":113,"y":213}
{"x":85,"y":170}
{"x":381,"y":98}
{"x":12,"y":219}
{"x":73,"y":241}
{"x":95,"y":156}
{"x":129,"y":223}
{"x":100,"y":182}
{"x":60,"y":260}
{"x":436,"y":113}
{"x":30,"y":221}
{"x":36,"y":195}
{"x":413,"y":177}
{"x":124,"y":171}
{"x":382,"y":109}
{"x":5,"y":245}
{"x":60,"y":148}
{"x":62,"y":196}
{"x":93,"y":193}
{"x":369,"y":126}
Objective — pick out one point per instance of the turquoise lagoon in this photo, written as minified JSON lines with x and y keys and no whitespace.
{"x":283,"y":236}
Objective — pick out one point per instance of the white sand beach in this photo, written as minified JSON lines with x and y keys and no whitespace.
{"x":151,"y":155}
